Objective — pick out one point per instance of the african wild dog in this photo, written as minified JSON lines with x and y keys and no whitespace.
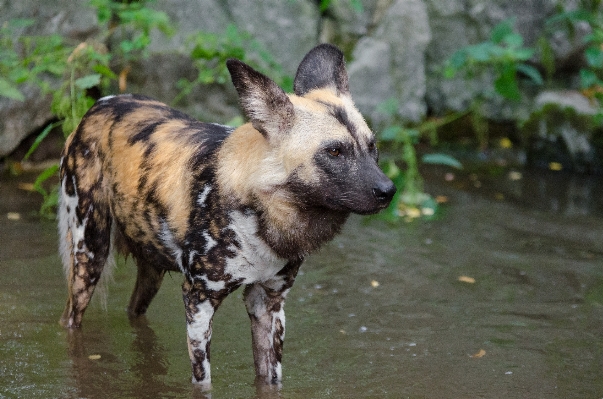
{"x":226,"y":207}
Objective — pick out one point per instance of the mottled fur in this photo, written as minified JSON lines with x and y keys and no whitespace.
{"x":226,"y":207}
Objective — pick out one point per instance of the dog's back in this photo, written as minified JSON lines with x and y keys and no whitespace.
{"x":130,"y":165}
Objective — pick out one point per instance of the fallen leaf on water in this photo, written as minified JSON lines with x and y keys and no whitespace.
{"x":466,"y":279}
{"x":505,"y":143}
{"x":514,"y":175}
{"x":26,"y":186}
{"x":441,"y":199}
{"x":555,"y":166}
{"x":374,"y":284}
{"x":94,"y":357}
{"x":13,"y":215}
{"x":479,"y":354}
{"x":426,"y":211}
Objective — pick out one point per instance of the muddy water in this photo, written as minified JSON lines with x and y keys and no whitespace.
{"x":378,"y":313}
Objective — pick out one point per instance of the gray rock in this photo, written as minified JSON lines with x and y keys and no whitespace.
{"x":286,"y":29}
{"x":560,"y":130}
{"x":390,"y":62}
{"x":459,"y":23}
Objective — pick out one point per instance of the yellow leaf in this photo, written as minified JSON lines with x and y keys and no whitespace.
{"x":513,"y":175}
{"x":94,"y":357}
{"x":13,"y":215}
{"x":441,"y":199}
{"x":479,"y":354}
{"x":505,"y":143}
{"x":556,"y":166}
{"x":374,"y":284}
{"x":26,"y":186}
{"x":466,"y":279}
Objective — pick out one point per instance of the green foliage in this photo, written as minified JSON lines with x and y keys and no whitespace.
{"x":210,"y":51}
{"x":133,"y":23}
{"x":35,"y":60}
{"x":356,"y":5}
{"x":591,"y":14}
{"x":410,"y":200}
{"x":503,"y":55}
{"x":50,"y":198}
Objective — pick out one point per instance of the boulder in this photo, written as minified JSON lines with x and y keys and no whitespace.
{"x":77,"y":22}
{"x":286,"y":29}
{"x":459,"y":23}
{"x":561,"y":132}
{"x":390,"y":62}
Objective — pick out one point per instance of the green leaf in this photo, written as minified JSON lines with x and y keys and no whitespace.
{"x":588,"y":78}
{"x":506,"y":83}
{"x":88,"y":81}
{"x":502,"y":30}
{"x":480,"y":52}
{"x":389,"y":107}
{"x":105,"y":71}
{"x":10,"y":91}
{"x":531,"y":73}
{"x":522,"y":53}
{"x":594,"y":57}
{"x":392,"y":133}
{"x":441,"y":159}
{"x":42,"y":177}
{"x":39,"y":139}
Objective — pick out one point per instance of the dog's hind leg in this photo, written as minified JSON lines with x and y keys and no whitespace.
{"x":148,"y":282}
{"x":85,"y":241}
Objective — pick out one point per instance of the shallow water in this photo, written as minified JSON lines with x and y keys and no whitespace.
{"x":379,"y":312}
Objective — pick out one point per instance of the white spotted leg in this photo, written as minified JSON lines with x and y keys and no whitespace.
{"x":200,"y":311}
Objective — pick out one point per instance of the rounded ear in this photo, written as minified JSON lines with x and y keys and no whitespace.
{"x":323,"y":67}
{"x":265,"y":104}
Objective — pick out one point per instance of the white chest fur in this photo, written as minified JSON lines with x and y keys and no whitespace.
{"x":255,"y":260}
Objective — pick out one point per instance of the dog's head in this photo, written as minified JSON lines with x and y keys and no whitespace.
{"x":324,"y":151}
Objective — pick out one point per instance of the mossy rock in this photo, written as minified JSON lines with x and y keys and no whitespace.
{"x":566,"y":129}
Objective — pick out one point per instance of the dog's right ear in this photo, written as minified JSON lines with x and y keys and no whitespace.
{"x":265,"y":104}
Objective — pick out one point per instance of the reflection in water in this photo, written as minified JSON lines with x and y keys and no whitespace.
{"x":564,"y":193}
{"x":99,"y":367}
{"x":150,"y":363}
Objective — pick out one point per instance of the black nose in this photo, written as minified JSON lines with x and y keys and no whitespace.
{"x":384,"y":192}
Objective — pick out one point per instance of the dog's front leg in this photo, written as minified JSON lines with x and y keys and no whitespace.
{"x":265,"y":306}
{"x":200,"y":311}
{"x":267,"y":315}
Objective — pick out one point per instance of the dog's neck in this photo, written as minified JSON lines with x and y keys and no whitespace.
{"x":249,"y":174}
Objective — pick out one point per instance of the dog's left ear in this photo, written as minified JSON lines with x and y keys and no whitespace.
{"x":322,"y":68}
{"x":265,"y":104}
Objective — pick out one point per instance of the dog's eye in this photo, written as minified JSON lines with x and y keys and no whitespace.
{"x":371,"y":146}
{"x":334,"y":151}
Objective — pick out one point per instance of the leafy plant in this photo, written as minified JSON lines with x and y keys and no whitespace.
{"x":36,"y":60}
{"x":591,"y":14}
{"x":503,"y":57}
{"x":210,"y":51}
{"x":411,"y":200}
